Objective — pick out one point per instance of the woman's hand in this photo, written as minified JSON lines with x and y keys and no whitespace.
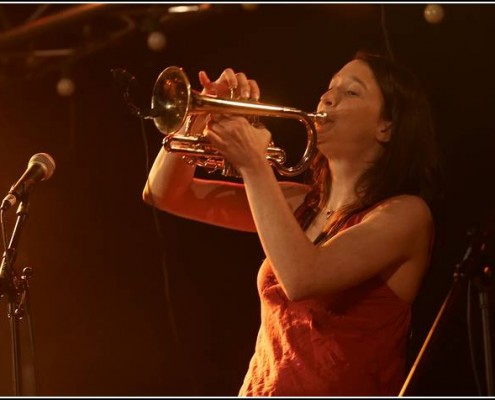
{"x":230,"y":85}
{"x":241,"y":143}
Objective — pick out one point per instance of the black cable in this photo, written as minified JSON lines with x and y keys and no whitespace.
{"x":126,"y":81}
{"x":4,"y":233}
{"x":161,"y":240}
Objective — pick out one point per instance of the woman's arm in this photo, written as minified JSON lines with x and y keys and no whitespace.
{"x":172,"y":187}
{"x":396,"y":235}
{"x":393,"y":241}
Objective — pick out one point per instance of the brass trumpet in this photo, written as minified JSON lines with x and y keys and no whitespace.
{"x":173,"y":101}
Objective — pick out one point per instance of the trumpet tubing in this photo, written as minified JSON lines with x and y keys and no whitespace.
{"x":173,"y":101}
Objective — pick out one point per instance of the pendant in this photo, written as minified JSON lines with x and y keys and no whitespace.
{"x":329,"y":213}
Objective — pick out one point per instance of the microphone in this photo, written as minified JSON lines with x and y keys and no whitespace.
{"x":126,"y":81}
{"x":123,"y":78}
{"x":40,"y":168}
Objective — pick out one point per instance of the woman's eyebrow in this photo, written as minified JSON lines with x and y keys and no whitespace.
{"x":352,"y":77}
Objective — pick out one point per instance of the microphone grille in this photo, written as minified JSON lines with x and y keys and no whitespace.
{"x":46,"y":161}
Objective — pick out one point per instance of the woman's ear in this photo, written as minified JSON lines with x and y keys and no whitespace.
{"x":385,"y":132}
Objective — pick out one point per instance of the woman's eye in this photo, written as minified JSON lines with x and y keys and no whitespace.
{"x":351,"y":93}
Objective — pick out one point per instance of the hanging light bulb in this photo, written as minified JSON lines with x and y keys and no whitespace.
{"x":434,"y":13}
{"x":249,"y":6}
{"x":157,"y":41}
{"x":65,"y":87}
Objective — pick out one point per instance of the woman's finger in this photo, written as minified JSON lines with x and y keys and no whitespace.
{"x":243,"y":87}
{"x":204,"y":79}
{"x":255,"y":90}
{"x":215,"y":139}
{"x":228,"y":76}
{"x":208,"y":86}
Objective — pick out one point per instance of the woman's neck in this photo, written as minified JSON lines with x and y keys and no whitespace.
{"x":344,"y":177}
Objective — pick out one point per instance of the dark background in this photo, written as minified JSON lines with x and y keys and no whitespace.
{"x":125,"y":302}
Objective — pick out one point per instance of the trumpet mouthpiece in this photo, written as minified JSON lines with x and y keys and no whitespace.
{"x":319,"y":118}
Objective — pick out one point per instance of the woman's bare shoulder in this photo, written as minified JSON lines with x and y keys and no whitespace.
{"x":407,"y":215}
{"x":411,"y":206}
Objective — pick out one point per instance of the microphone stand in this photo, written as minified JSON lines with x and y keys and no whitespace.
{"x":474,"y":266}
{"x":483,"y":281}
{"x":16,"y":289}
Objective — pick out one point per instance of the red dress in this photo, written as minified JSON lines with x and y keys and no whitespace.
{"x":349,"y":344}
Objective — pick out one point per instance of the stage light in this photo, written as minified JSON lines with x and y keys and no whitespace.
{"x":434,"y":13}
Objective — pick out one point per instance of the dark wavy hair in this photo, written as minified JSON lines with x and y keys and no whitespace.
{"x":410,"y":162}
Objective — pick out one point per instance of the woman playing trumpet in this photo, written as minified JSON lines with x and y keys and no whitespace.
{"x":345,"y":253}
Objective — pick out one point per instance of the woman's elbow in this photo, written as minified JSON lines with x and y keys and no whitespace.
{"x":153,"y":199}
{"x":147,"y":196}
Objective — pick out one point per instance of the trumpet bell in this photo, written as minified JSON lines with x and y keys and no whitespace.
{"x":171,"y":100}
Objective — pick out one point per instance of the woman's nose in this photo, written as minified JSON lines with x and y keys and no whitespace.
{"x":327,"y":98}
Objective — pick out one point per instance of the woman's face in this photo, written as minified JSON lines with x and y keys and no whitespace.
{"x":353,"y":103}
